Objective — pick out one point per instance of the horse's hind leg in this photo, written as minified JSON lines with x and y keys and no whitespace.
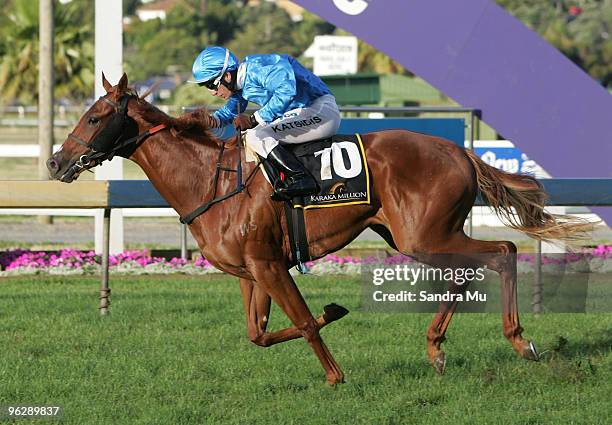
{"x":505,"y":265}
{"x":499,"y":256}
{"x":257,"y":309}
{"x":276,"y":281}
{"x":437,"y":329}
{"x":442,"y":318}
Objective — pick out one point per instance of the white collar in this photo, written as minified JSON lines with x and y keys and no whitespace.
{"x":241,"y":75}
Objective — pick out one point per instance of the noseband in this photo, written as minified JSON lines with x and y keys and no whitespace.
{"x":108,"y":142}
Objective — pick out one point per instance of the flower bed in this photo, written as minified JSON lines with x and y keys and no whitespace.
{"x":69,"y":261}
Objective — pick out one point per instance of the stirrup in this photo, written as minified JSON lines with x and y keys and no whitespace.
{"x":277,"y":196}
{"x":291,"y":193}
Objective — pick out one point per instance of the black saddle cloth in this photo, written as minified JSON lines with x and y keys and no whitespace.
{"x":338,"y":164}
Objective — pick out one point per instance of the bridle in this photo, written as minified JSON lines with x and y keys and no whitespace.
{"x":110,"y":140}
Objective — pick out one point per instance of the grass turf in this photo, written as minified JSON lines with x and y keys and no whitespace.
{"x":174,"y":351}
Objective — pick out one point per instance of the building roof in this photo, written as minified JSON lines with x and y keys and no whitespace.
{"x":161,"y":5}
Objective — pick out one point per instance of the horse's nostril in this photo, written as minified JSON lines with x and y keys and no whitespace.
{"x":52,"y":165}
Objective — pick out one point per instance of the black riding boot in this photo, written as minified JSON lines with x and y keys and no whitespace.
{"x":297,"y":182}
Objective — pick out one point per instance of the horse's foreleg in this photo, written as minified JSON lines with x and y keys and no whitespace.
{"x":257,"y":309}
{"x":276,"y":281}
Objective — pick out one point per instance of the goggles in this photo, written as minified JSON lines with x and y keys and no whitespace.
{"x":211,"y":84}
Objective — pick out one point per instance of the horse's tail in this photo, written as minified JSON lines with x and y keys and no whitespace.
{"x":519,"y":202}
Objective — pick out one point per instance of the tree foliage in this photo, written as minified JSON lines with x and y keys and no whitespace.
{"x":163,"y":47}
{"x":580,"y":29}
{"x":311,"y":25}
{"x":264,"y":29}
{"x":73,"y":51}
{"x":158,"y":47}
{"x":18,"y":69}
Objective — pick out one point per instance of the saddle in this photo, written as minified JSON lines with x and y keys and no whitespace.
{"x":339,"y":166}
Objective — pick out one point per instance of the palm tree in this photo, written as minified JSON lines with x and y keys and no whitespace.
{"x":73,"y":51}
{"x":18,"y":68}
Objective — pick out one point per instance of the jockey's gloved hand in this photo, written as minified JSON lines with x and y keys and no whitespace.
{"x":212,"y":121}
{"x":245,"y":121}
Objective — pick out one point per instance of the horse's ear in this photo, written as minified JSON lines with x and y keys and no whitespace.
{"x":107,"y":86}
{"x":123,"y":82}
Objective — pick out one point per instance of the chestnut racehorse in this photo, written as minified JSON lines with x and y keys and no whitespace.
{"x":423,"y":188}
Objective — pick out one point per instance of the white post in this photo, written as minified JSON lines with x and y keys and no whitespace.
{"x":45,"y":92}
{"x":109,"y":58}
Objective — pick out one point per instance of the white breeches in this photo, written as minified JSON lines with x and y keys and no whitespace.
{"x":318,"y":120}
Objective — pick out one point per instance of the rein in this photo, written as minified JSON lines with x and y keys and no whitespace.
{"x":188,"y":219}
{"x":107,"y":143}
{"x":85,"y":160}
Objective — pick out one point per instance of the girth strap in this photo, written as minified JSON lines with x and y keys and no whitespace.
{"x":298,"y":240}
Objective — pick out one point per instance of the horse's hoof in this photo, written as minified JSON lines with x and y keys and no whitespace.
{"x":439,"y":362}
{"x":335,"y":380}
{"x":530,"y":352}
{"x":333,"y":312}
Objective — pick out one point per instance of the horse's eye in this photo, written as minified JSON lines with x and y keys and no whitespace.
{"x":93,"y":121}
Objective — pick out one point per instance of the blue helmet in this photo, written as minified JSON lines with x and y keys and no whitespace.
{"x":214,"y":61}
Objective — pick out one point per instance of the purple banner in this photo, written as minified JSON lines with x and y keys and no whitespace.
{"x":482,"y":57}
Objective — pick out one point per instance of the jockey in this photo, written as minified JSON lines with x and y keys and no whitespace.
{"x":296,"y":107}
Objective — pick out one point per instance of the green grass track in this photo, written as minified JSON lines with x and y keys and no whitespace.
{"x":174,"y":351}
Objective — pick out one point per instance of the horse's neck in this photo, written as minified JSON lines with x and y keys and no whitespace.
{"x":182,"y":169}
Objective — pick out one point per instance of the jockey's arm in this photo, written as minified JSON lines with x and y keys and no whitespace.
{"x":280,"y":80}
{"x":229,"y":111}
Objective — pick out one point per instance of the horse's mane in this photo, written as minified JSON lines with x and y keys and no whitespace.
{"x":196,"y":124}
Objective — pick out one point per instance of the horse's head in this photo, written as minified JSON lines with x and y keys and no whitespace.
{"x":100,"y":134}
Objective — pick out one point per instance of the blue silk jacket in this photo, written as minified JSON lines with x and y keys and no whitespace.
{"x":278,"y":83}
